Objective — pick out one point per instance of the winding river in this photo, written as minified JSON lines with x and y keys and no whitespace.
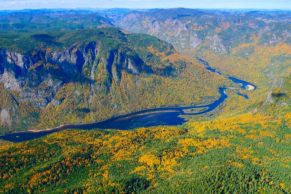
{"x":170,"y":116}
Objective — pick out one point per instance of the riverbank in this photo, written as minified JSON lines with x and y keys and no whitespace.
{"x":171,"y":116}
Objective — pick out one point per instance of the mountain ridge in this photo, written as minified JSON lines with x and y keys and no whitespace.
{"x":97,"y":60}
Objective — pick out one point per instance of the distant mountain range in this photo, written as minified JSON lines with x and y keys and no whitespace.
{"x":188,"y":30}
{"x":220,"y":31}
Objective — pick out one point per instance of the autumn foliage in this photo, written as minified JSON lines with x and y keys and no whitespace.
{"x":152,"y":158}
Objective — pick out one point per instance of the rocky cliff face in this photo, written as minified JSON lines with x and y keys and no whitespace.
{"x":219,"y":31}
{"x":38,"y":76}
{"x":33,"y":78}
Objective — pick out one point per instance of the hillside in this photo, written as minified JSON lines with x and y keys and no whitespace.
{"x":37,"y":20}
{"x":242,"y":154}
{"x":252,"y":45}
{"x":87,"y":75}
{"x":145,"y":101}
{"x":190,"y":30}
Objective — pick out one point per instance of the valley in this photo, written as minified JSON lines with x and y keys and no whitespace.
{"x":145,"y":101}
{"x":118,"y":73}
{"x":99,"y":76}
{"x":144,"y":118}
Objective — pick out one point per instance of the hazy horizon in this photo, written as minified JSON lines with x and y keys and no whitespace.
{"x":141,"y":9}
{"x":146,"y":4}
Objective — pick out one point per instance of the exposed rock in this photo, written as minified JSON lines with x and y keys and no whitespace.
{"x":71,"y":60}
{"x":5,"y":118}
{"x":250,"y":87}
{"x":9,"y":81}
{"x":38,"y":75}
{"x":15,"y":58}
{"x":219,"y":31}
{"x":55,"y":102}
{"x":216,"y":45}
{"x":131,"y":67}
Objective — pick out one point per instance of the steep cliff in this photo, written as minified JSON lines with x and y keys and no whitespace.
{"x":219,"y":31}
{"x":100,"y":68}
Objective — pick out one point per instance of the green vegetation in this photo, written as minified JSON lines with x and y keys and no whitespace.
{"x":242,"y":154}
{"x":128,"y":72}
{"x":111,"y":38}
{"x":37,"y":20}
{"x":268,"y":67}
{"x":251,"y":45}
{"x":59,"y":67}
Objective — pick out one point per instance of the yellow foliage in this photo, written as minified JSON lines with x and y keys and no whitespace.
{"x":251,"y":136}
{"x":244,"y":153}
{"x":150,"y":160}
{"x":5,"y":145}
{"x":9,"y":186}
{"x":122,"y":155}
{"x":288,"y":116}
{"x":287,"y":136}
{"x":282,"y":185}
{"x":266,"y":134}
{"x":164,"y":133}
{"x":139,"y":169}
{"x":106,"y":175}
{"x":174,"y":145}
{"x":203,"y":145}
{"x":236,"y":164}
{"x":255,"y":160}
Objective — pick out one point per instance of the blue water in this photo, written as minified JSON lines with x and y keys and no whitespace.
{"x":242,"y":83}
{"x":243,"y":95}
{"x":208,"y":67}
{"x":170,"y":116}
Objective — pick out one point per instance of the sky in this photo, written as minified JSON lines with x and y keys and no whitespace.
{"x":93,"y":4}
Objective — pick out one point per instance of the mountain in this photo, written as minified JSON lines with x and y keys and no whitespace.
{"x":74,"y":66}
{"x":206,"y":94}
{"x":28,"y":20}
{"x":220,"y":31}
{"x":88,"y":75}
{"x":251,"y":44}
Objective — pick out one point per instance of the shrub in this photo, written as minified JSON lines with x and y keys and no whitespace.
{"x":136,"y":184}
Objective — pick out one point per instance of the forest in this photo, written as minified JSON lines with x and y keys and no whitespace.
{"x":66,"y":67}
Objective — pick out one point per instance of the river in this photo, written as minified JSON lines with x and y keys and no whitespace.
{"x":171,"y":116}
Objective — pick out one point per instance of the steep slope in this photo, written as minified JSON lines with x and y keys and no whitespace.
{"x":87,"y":75}
{"x":252,"y":45}
{"x":219,"y":31}
{"x":56,"y":76}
